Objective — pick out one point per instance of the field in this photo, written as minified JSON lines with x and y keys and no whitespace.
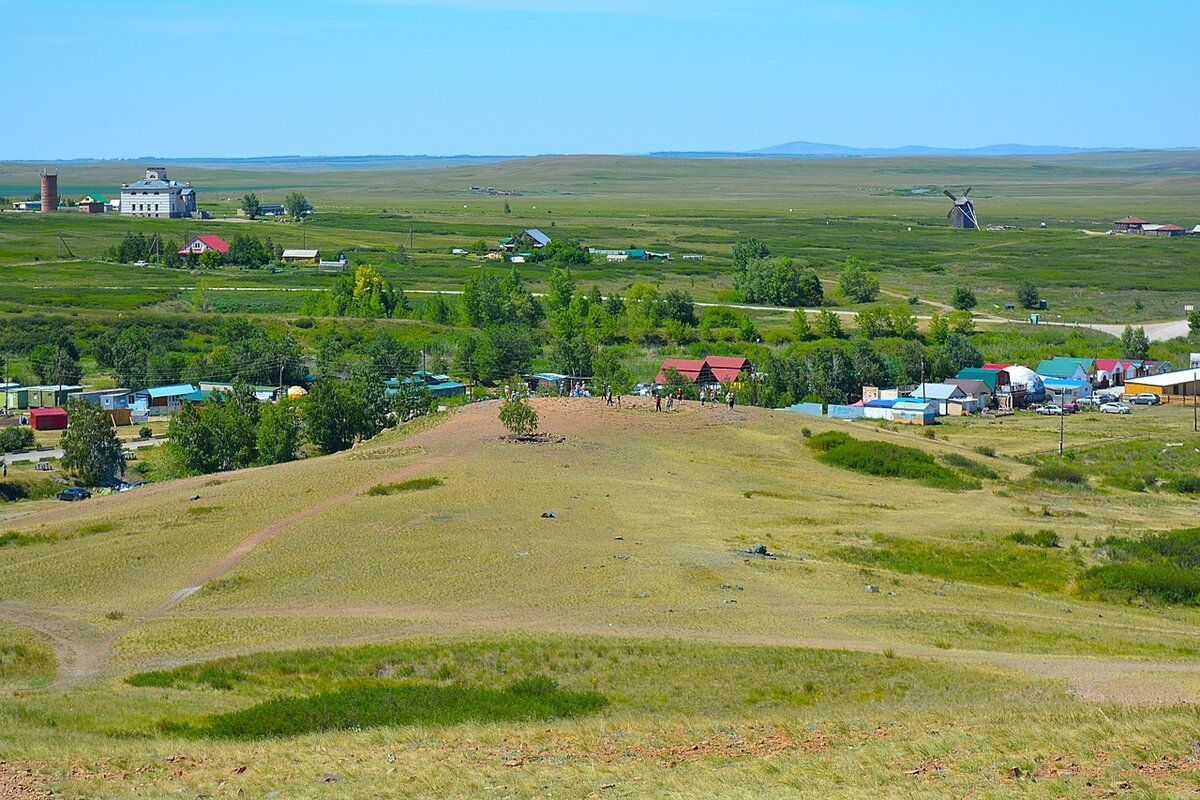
{"x":818,"y":210}
{"x":681,"y":664}
{"x":706,"y":603}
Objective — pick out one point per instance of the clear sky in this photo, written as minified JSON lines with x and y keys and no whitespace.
{"x":126,"y":78}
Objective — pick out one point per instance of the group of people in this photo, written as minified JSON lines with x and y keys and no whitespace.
{"x":675,"y":398}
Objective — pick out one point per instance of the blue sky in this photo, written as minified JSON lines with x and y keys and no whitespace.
{"x":356,"y":77}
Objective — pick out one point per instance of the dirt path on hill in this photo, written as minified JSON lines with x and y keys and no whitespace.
{"x":80,"y":650}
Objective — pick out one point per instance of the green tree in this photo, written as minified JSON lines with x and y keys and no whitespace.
{"x":956,"y":354}
{"x":609,"y":370}
{"x":963,"y":298}
{"x":746,"y":250}
{"x":91,"y":451}
{"x":874,"y":322}
{"x":518,"y":417}
{"x":296,"y":205}
{"x":560,"y":288}
{"x":856,"y":283}
{"x":331,"y":415}
{"x":1027,"y":295}
{"x":389,"y":358}
{"x":939,"y":328}
{"x":504,"y":350}
{"x":278,"y":433}
{"x":1134,"y":343}
{"x":56,"y":363}
{"x":961,"y":322}
{"x":211,"y":258}
{"x":250,"y":205}
{"x":828,"y":325}
{"x":15,"y":438}
{"x":903,"y":322}
{"x":1194,"y":324}
{"x":801,"y":329}
{"x":507,"y":208}
{"x":247,"y":251}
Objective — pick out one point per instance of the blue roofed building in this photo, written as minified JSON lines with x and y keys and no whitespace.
{"x":157,"y":196}
{"x":160,"y":400}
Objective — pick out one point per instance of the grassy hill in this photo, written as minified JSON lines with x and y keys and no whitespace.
{"x":683,"y":665}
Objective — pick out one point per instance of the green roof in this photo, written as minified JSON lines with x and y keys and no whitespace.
{"x":99,"y":198}
{"x":988,"y":376}
{"x":1062,"y":367}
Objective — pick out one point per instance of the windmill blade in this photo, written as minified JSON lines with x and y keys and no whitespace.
{"x":950,"y":213}
{"x":969,"y":209}
{"x":949,"y":194}
{"x":967,"y":192}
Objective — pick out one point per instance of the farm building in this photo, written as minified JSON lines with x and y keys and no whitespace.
{"x":157,"y":196}
{"x":205,"y":241}
{"x":15,"y":397}
{"x":50,"y":396}
{"x":692,"y":370}
{"x":906,"y":410}
{"x":637,"y":255}
{"x":976,"y":389}
{"x":530,"y":237}
{"x":1129,"y":224}
{"x":107,"y":399}
{"x":1163,"y":230}
{"x":939,"y":393}
{"x":266,"y":210}
{"x":27,"y":205}
{"x":1076,"y":369}
{"x":997,"y":380}
{"x":300,"y":256}
{"x":48,"y":419}
{"x":1184,"y":383}
{"x":1065,"y":390}
{"x":158,"y":400}
{"x":92,"y":204}
{"x":265,"y":394}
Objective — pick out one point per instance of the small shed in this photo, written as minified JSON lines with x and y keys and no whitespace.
{"x":161,"y":399}
{"x":1066,"y":390}
{"x":48,"y":419}
{"x":940,"y":393}
{"x":300,"y":256}
{"x":16,"y":397}
{"x":51,"y":396}
{"x":915,"y":412}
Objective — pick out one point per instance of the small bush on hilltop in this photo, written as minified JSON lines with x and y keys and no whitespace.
{"x":518,"y":417}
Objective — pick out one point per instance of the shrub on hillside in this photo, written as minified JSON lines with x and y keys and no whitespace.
{"x":1043,"y":538}
{"x":1055,"y":472}
{"x":885,"y":460}
{"x":1186,"y":484}
{"x":972,"y":468}
{"x":1162,"y":582}
{"x":15,"y":438}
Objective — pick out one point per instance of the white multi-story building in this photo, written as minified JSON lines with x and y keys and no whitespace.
{"x":157,"y":196}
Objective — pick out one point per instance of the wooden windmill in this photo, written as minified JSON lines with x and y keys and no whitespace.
{"x":962,"y":213}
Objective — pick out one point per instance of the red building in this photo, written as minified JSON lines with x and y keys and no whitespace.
{"x":48,"y":419}
{"x":205,"y":241}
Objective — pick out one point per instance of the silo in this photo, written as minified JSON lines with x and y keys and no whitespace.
{"x":49,"y":192}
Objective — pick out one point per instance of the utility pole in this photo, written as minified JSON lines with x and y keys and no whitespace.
{"x":1195,"y":420}
{"x":1062,"y":428}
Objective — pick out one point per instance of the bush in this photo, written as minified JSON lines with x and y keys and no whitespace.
{"x":886,"y":460}
{"x":985,"y":450}
{"x":824,"y":442}
{"x":806,"y":432}
{"x":414,"y":485}
{"x":1186,"y":484}
{"x":1043,"y":538}
{"x":145,"y":432}
{"x":1055,"y":472}
{"x":972,"y":468}
{"x":518,"y":417}
{"x":15,"y":438}
{"x":1162,"y":582}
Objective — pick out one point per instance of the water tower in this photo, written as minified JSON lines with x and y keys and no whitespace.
{"x":49,"y":192}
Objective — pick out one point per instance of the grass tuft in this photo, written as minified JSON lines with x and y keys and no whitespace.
{"x":414,"y":485}
{"x":886,"y":460}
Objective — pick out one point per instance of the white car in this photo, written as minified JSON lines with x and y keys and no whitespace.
{"x":1052,"y":410}
{"x":1115,"y":408}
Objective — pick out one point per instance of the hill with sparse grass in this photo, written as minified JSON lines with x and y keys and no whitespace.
{"x":924,"y":620}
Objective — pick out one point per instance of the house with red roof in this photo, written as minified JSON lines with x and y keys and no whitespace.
{"x":708,"y":371}
{"x":728,"y":369}
{"x":205,"y":241}
{"x":1129,"y":224}
{"x":692,"y":370}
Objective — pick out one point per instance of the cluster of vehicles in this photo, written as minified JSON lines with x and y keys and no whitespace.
{"x":1104,"y":402}
{"x":74,"y":494}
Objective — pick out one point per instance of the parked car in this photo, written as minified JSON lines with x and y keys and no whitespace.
{"x":74,"y":493}
{"x":1115,"y":408}
{"x":1070,"y":408}
{"x":1051,"y":409}
{"x":1107,"y":397}
{"x":1091,"y":402}
{"x":1145,"y":399}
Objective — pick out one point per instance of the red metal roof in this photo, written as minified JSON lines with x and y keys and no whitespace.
{"x":1169,"y":227}
{"x":47,"y":412}
{"x":687,"y":367}
{"x":728,"y":362}
{"x":1132,"y":221}
{"x":996,"y":366}
{"x":209,"y":239}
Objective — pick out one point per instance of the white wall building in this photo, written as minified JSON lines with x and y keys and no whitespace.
{"x":157,"y":196}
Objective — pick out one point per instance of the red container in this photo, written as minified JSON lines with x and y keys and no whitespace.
{"x":48,"y":419}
